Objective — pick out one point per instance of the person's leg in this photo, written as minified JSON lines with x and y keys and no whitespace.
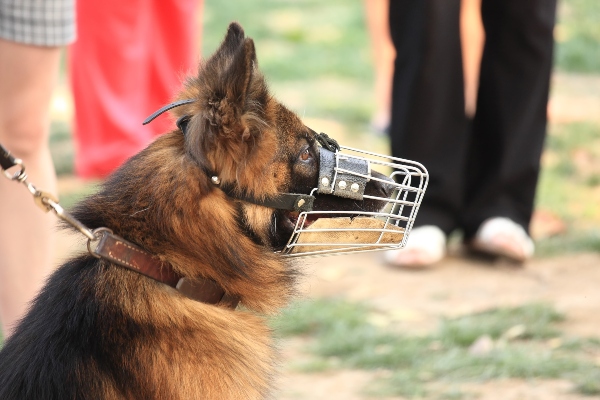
{"x":408,"y":22}
{"x":26,"y":239}
{"x":510,"y":122}
{"x":383,"y":59}
{"x":472,"y":40}
{"x":173,"y":53}
{"x":109,"y":73}
{"x":428,"y":118}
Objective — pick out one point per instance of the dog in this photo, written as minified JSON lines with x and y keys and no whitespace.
{"x":203,"y":201}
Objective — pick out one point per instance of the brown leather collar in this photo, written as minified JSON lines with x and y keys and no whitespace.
{"x":119,"y":251}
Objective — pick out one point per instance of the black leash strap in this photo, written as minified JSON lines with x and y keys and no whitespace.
{"x":6,"y":159}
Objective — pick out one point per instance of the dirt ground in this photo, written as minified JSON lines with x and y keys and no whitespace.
{"x":415,"y":300}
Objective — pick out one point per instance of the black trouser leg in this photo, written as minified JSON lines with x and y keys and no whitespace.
{"x":510,"y":122}
{"x":428,"y":122}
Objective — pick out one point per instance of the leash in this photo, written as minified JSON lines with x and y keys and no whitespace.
{"x":115,"y":249}
{"x":43,"y":200}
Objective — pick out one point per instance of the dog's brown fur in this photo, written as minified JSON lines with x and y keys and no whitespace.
{"x":98,"y":330}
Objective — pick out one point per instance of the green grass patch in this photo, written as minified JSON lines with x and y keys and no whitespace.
{"x":578,"y":35}
{"x":537,"y":322}
{"x":568,"y":186}
{"x":303,"y":40}
{"x":315,"y":55}
{"x":566,"y":138}
{"x":526,"y":343}
{"x":575,"y":242}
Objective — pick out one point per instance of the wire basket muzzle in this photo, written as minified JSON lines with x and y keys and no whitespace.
{"x":378,"y":221}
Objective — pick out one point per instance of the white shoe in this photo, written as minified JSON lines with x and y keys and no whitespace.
{"x":503,"y":237}
{"x":426,"y":245}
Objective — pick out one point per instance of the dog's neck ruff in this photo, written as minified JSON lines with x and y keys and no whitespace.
{"x":119,"y":251}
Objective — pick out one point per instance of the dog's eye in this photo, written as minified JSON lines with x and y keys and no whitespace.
{"x":305,"y":156}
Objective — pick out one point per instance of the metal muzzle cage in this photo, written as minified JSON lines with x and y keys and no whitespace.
{"x":346,"y":173}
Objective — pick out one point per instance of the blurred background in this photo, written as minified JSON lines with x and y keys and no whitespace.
{"x":318,"y":61}
{"x":464,"y":329}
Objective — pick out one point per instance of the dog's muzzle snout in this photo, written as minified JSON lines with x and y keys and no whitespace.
{"x":381,"y":211}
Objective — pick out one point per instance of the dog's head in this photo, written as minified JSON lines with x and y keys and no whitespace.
{"x":242,"y":180}
{"x":254,"y":148}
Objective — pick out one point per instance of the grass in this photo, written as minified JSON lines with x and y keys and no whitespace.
{"x":524,"y":342}
{"x":300,"y":42}
{"x":578,"y":35}
{"x":576,"y":242}
{"x":569,"y":186}
{"x":315,"y":56}
{"x":537,"y":322}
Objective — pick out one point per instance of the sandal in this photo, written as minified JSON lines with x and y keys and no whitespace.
{"x":426,"y":246}
{"x":502,"y":237}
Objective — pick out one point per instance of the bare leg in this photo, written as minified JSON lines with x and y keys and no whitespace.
{"x":383,"y":59}
{"x":26,"y":239}
{"x":472,"y":38}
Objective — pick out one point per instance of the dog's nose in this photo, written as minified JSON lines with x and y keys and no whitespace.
{"x":383,"y":186}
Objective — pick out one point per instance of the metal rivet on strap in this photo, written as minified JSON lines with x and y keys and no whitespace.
{"x":325,"y":182}
{"x":354,"y":187}
{"x":301,"y":202}
{"x":342,"y":185}
{"x":215,"y":180}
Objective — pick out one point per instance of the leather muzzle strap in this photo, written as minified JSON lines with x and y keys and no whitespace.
{"x":119,"y":251}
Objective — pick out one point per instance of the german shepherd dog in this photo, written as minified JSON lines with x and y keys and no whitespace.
{"x":98,"y":330}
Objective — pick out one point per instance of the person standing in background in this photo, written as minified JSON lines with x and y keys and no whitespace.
{"x":32,"y":33}
{"x":483,"y":174}
{"x":129,"y":60}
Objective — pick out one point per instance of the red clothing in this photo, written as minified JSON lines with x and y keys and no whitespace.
{"x":129,"y":59}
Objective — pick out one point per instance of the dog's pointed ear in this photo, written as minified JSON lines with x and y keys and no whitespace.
{"x":226,"y":80}
{"x":229,"y":71}
{"x":233,"y":39}
{"x":236,"y":79}
{"x":229,"y":122}
{"x":241,"y":72}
